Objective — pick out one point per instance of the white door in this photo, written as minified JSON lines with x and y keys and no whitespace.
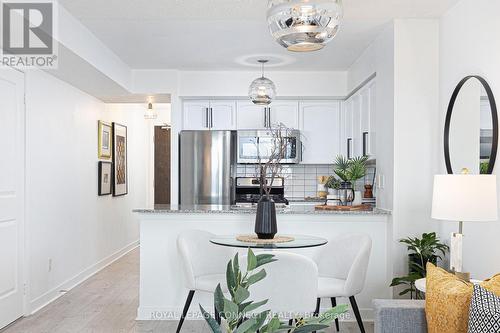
{"x":195,"y":115}
{"x":11,"y":195}
{"x":250,"y":116}
{"x":320,"y":128}
{"x":285,"y":112}
{"x":222,"y":115}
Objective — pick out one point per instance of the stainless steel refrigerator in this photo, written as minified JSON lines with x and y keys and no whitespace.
{"x":207,"y":167}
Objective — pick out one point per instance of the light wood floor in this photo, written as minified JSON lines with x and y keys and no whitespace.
{"x":107,"y":303}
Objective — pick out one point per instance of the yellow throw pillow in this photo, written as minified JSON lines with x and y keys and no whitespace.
{"x":492,"y":284}
{"x":447,"y":301}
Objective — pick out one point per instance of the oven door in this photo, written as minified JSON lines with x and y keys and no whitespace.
{"x":253,"y":145}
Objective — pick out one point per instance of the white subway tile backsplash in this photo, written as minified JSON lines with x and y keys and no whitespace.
{"x":301,"y":181}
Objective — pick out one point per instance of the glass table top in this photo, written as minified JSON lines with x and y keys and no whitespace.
{"x":300,"y":241}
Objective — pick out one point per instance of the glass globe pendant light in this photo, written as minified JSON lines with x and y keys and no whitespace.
{"x":262,"y":90}
{"x":304,"y":25}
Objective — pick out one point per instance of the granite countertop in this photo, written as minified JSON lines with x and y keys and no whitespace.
{"x":220,"y":209}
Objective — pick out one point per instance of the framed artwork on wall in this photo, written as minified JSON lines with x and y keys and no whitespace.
{"x":104,"y":140}
{"x":120,"y":177}
{"x":105,"y":171}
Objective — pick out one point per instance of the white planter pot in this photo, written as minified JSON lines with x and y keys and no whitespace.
{"x":358,"y":198}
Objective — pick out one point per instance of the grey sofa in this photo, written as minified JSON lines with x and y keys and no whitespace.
{"x":399,"y":316}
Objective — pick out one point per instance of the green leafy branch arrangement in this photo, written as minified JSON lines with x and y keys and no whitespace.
{"x":237,"y":313}
{"x":422,"y":250}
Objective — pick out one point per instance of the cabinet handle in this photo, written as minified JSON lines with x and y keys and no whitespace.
{"x":269,"y":117}
{"x":349,"y":141}
{"x":265,"y":117}
{"x":365,"y":143}
{"x":206,"y":117}
{"x":211,"y":118}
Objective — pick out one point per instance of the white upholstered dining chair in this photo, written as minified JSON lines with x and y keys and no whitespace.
{"x":204,"y":264}
{"x":290,"y":285}
{"x":342,"y":267}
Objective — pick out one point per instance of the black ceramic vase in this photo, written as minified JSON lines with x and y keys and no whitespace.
{"x":265,"y":221}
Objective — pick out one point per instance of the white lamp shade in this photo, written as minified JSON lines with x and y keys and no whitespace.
{"x":467,"y":198}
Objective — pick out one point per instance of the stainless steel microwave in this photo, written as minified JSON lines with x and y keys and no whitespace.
{"x":258,"y":144}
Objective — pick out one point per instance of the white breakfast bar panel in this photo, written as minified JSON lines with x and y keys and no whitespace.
{"x":162,"y":290}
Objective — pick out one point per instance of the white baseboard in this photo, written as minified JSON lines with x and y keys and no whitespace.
{"x":53,"y":294}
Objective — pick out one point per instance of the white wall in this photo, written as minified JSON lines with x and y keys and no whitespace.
{"x":416,"y":129}
{"x":378,"y":59}
{"x":66,"y":221}
{"x":466,"y":49}
{"x":405,"y":58}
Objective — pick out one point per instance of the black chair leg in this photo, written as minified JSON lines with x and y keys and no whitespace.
{"x":357,"y":314}
{"x":318,"y":304}
{"x":334,"y":304}
{"x":186,"y":309}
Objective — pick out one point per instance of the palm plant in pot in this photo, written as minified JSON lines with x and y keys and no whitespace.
{"x":349,"y":170}
{"x":238,"y":313}
{"x":421,"y":251}
{"x":268,"y":168}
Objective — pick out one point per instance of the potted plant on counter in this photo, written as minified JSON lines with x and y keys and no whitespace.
{"x":350,"y":170}
{"x":421,"y":251}
{"x":237,"y":313}
{"x":269,"y":168}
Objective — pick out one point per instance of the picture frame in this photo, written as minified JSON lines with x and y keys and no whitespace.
{"x":104,"y":148}
{"x":120,"y":167}
{"x":105,"y":172}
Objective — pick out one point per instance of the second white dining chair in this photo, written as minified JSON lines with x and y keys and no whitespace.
{"x":204,"y":264}
{"x":291,"y":285}
{"x":342,"y":267}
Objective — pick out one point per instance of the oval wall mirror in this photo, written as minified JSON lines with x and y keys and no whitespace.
{"x":471,"y":128}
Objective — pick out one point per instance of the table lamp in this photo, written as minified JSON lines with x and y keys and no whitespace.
{"x":464,"y":198}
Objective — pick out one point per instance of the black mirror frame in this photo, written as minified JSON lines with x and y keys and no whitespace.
{"x":494,"y":117}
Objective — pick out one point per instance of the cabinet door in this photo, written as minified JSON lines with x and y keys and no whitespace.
{"x":195,"y":115}
{"x":320,"y":128}
{"x":222,"y":115}
{"x":365,"y":121}
{"x":285,"y":112}
{"x":356,"y":125}
{"x":349,"y":129}
{"x":249,"y":115}
{"x":372,"y":123}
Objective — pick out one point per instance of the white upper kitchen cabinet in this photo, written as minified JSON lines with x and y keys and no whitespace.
{"x":209,"y":115}
{"x":222,"y":115}
{"x":195,"y":115}
{"x":250,"y":116}
{"x":285,"y":112}
{"x":359,"y":121}
{"x":319,"y":122}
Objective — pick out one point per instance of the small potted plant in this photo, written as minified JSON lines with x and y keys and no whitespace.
{"x":349,"y":171}
{"x":421,"y":251}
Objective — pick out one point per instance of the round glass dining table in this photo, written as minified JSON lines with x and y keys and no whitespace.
{"x":298,"y":242}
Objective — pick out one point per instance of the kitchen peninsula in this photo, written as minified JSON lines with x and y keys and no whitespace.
{"x":162,"y":292}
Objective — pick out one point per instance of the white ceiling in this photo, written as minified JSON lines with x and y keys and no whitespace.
{"x":213,"y":34}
